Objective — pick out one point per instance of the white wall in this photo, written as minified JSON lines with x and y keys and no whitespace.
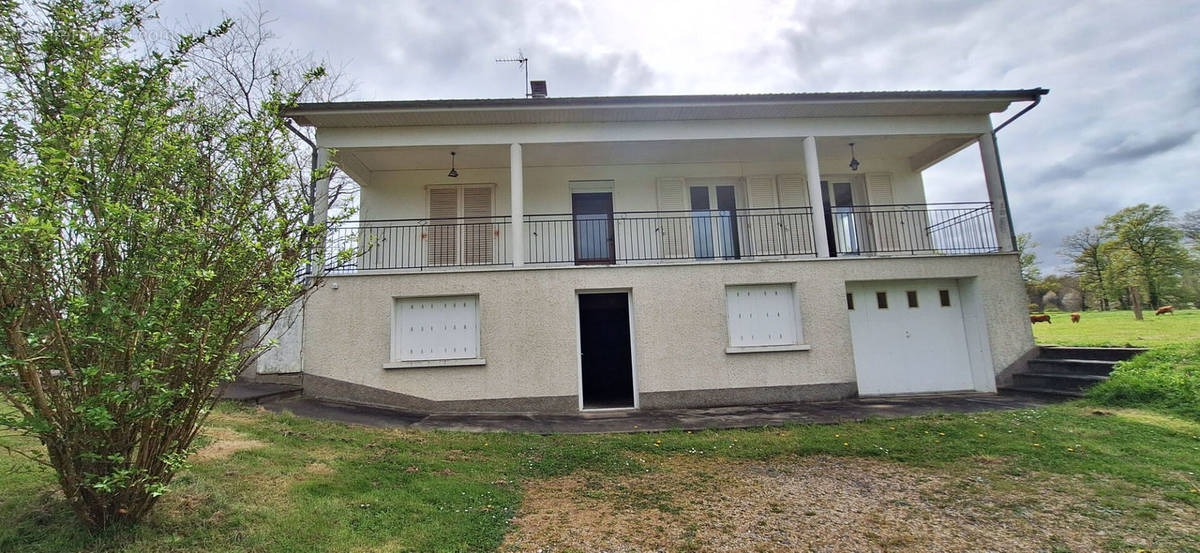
{"x":529,"y":338}
{"x":401,"y":194}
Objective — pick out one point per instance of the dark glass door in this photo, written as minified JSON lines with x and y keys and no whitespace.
{"x":702,"y":235}
{"x":727,"y":227}
{"x":592,"y":215}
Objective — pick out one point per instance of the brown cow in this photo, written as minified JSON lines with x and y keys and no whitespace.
{"x":1074,"y":317}
{"x":1035,"y":319}
{"x":1165,"y":309}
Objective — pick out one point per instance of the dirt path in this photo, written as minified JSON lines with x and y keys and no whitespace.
{"x":832,"y":504}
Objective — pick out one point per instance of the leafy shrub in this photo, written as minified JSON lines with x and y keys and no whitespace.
{"x":1166,"y":378}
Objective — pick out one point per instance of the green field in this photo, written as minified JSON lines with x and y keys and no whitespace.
{"x":1119,"y":328}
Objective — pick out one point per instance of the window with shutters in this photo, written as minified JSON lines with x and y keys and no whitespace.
{"x":436,"y":328}
{"x":762,"y":315}
{"x":460,"y":228}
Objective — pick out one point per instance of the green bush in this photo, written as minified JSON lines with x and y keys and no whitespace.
{"x":1165,"y":378}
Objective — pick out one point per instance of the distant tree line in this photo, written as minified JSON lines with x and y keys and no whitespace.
{"x":1139,"y":256}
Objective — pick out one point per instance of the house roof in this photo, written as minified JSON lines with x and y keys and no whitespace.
{"x":594,"y":109}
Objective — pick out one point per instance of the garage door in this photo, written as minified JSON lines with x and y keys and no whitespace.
{"x":908,"y":337}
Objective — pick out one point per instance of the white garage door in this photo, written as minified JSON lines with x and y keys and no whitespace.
{"x":908,"y":337}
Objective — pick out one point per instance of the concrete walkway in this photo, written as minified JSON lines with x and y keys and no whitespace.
{"x":665,"y":419}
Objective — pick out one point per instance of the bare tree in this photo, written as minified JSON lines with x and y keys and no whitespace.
{"x":245,"y":64}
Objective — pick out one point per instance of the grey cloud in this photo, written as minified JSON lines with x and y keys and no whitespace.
{"x":1116,"y":149}
{"x":1123,"y":79}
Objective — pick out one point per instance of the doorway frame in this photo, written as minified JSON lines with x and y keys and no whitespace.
{"x":611,"y":241}
{"x":632,"y":347}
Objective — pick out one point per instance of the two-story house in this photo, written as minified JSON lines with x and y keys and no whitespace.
{"x":559,"y":254}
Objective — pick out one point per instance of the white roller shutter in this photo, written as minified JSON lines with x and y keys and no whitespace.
{"x":436,"y":328}
{"x":761,"y":315}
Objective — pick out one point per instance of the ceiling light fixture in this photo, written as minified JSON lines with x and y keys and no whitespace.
{"x":453,"y":172}
{"x":853,"y":162}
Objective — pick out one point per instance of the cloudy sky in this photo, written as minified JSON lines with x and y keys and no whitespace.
{"x":1119,"y":126}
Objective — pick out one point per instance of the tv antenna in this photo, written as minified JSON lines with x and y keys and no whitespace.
{"x":522,"y":63}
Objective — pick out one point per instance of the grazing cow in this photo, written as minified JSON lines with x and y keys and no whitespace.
{"x":1035,"y":319}
{"x":1074,"y":317}
{"x":1165,"y":309}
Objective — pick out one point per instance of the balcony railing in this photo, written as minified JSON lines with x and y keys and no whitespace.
{"x":642,"y":236}
{"x":654,"y":236}
{"x":421,"y":243}
{"x":946,"y":228}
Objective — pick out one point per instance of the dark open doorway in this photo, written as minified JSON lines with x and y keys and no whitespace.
{"x":606,"y":358}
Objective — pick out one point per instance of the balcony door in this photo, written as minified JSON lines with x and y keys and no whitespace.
{"x":714,"y":231}
{"x":839,"y":198}
{"x":592,"y":219}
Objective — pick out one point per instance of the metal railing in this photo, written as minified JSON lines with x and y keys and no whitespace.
{"x":648,"y":236}
{"x":639,"y":236}
{"x":419,"y":243}
{"x":959,"y":228}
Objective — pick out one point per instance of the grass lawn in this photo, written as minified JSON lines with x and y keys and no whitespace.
{"x":1119,"y":328}
{"x":1071,"y":477}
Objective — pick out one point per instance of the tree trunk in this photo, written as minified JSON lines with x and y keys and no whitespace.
{"x":1135,"y":300}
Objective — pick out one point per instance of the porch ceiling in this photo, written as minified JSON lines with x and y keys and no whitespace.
{"x":920,"y":151}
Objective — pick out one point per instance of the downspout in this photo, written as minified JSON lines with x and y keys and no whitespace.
{"x":1037,"y":99}
{"x":312,"y":198}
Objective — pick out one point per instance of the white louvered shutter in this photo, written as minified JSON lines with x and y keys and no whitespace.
{"x":478,"y":230}
{"x":442,"y":233}
{"x":888,"y":223}
{"x":796,"y":227}
{"x":879,"y":189}
{"x":675,"y":228}
{"x":762,"y":227}
{"x":793,"y":191}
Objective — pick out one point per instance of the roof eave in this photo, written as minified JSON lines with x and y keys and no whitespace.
{"x":332,"y":108}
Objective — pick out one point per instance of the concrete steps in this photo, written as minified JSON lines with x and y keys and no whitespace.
{"x":1068,"y":371}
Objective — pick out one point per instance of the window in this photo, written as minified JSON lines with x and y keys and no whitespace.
{"x":762,"y":315}
{"x":912,"y":298}
{"x":850,"y":301}
{"x":436,"y":328}
{"x":944,"y":295}
{"x":881,"y":299}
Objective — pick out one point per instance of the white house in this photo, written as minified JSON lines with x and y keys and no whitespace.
{"x":661,"y":251}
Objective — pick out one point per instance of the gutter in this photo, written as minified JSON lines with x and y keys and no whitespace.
{"x":1037,"y":94}
{"x":1037,"y":99}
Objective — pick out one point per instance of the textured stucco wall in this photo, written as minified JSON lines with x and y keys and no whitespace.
{"x":529,"y":335}
{"x":284,"y":356}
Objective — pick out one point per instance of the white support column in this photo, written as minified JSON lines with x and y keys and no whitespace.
{"x":813,"y":172}
{"x":994,"y":177}
{"x":517,"y":202}
{"x":320,"y":211}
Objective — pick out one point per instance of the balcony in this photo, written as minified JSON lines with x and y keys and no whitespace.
{"x":646,"y":237}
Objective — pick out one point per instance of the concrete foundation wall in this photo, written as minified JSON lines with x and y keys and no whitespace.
{"x":530,"y":344}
